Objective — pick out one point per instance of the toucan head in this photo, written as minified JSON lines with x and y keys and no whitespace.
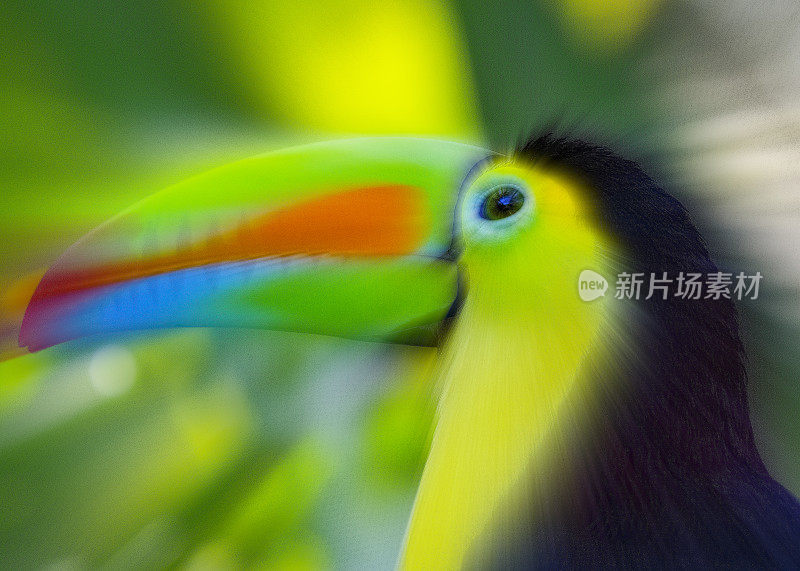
{"x":379,"y":239}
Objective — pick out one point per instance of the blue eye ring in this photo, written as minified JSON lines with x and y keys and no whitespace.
{"x":502,"y":201}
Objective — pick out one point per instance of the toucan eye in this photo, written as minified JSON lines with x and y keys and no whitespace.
{"x":502,"y":202}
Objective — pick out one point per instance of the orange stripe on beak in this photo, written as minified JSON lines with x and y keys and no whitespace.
{"x":375,"y":221}
{"x":362,"y":222}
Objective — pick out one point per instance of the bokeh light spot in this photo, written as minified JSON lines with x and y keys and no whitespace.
{"x":112,"y":370}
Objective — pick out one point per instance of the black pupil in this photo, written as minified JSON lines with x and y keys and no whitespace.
{"x":501,"y":203}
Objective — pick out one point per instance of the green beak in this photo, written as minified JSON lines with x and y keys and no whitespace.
{"x":346,"y":238}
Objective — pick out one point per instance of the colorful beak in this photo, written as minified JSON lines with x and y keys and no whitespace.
{"x":345,"y":238}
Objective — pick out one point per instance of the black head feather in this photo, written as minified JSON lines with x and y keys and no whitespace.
{"x":690,"y":352}
{"x":671,"y":476}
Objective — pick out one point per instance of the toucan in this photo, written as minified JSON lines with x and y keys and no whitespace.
{"x":570,"y":434}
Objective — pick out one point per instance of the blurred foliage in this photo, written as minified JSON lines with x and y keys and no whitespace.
{"x":351,"y":66}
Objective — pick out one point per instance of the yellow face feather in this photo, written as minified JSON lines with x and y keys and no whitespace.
{"x":510,"y":367}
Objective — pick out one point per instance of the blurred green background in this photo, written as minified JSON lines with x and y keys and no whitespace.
{"x":235,"y":449}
